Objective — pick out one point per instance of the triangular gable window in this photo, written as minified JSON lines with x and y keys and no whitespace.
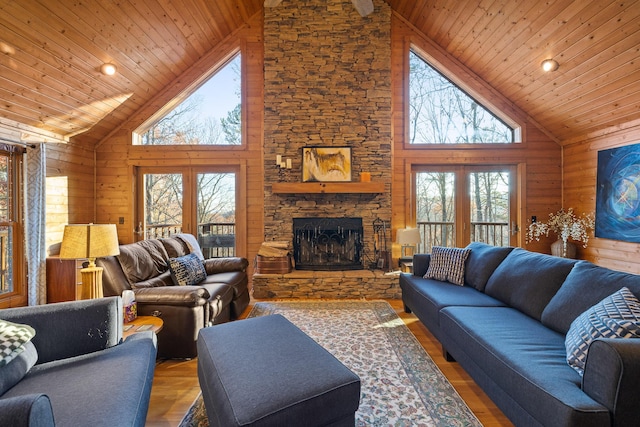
{"x":210,"y":115}
{"x":440,"y":112}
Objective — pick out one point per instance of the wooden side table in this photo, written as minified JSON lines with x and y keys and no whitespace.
{"x":406,"y":264}
{"x":141,"y":324}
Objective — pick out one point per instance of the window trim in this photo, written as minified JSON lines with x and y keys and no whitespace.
{"x":18,"y":295}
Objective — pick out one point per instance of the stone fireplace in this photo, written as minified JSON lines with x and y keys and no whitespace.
{"x":327,"y":83}
{"x":327,"y":243}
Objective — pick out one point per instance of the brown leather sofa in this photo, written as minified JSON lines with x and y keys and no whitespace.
{"x":143,"y":267}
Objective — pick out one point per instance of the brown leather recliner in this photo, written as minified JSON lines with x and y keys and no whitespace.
{"x":143,"y":267}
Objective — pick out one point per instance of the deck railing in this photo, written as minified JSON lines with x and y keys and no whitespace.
{"x":438,"y":233}
{"x":217,"y":239}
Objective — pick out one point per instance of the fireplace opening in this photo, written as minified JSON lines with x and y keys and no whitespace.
{"x":328,"y":243}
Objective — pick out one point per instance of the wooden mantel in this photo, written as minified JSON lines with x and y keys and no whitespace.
{"x":327,"y":187}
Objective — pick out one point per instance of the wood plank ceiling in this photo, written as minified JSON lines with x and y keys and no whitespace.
{"x":52,"y":52}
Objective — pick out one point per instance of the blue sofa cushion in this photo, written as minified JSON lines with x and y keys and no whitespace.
{"x":12,"y":372}
{"x":447,"y":264}
{"x":187,"y":270}
{"x":586,"y":285}
{"x":616,"y":316}
{"x":426,"y":297}
{"x":517,"y":283}
{"x":524,"y":359}
{"x":482,"y":262}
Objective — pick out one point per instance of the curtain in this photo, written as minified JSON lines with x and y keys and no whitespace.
{"x":34,"y":223}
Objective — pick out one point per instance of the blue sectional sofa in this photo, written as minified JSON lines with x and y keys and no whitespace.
{"x":85,"y":374}
{"x":506,"y":327}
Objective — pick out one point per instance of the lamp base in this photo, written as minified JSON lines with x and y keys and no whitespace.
{"x":403,"y":251}
{"x":92,"y":282}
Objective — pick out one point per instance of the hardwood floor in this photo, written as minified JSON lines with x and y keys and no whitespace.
{"x":175,"y":384}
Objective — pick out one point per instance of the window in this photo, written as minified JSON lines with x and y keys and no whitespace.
{"x":200,"y":201}
{"x":11,"y":245}
{"x":211,"y":115}
{"x":442,"y":113}
{"x":456,"y":205}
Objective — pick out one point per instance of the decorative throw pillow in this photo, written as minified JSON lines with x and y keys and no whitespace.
{"x":13,"y":372}
{"x":187,"y":270}
{"x":616,"y":316}
{"x":447,"y":264}
{"x":13,"y":336}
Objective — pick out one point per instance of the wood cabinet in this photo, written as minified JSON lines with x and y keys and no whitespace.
{"x":64,"y":281}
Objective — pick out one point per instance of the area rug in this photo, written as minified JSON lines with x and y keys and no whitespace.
{"x":401,"y":385}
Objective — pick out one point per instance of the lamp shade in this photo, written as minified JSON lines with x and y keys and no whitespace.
{"x":89,"y":241}
{"x":408,"y":236}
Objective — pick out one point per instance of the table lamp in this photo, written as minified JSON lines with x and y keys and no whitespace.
{"x":90,"y":241}
{"x":407,"y":238}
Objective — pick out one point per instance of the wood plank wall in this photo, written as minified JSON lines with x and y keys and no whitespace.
{"x":116,"y":157}
{"x":74,"y":195}
{"x":70,"y":188}
{"x":537,"y":157}
{"x":579,"y":188}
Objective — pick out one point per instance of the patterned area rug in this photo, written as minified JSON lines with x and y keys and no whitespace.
{"x":401,"y":385}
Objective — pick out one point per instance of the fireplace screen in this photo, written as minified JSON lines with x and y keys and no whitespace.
{"x":327,"y":243}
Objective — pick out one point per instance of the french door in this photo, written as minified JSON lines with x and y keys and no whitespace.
{"x":199,"y":201}
{"x":456,"y":205}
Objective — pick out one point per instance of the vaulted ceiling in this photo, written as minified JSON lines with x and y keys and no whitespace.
{"x":52,"y":52}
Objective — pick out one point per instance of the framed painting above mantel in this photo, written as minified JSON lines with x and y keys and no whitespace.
{"x":326,"y":164}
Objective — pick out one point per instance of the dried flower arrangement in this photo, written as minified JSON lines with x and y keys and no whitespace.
{"x":565,"y":224}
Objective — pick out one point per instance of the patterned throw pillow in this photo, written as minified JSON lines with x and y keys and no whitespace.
{"x":12,"y":373}
{"x":187,"y":270}
{"x":13,"y":336}
{"x":447,"y":264}
{"x":616,"y":316}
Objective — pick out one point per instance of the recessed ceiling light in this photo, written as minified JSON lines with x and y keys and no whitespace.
{"x":108,"y":69}
{"x":550,"y":65}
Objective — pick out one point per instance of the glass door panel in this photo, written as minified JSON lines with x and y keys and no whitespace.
{"x":435,"y":205}
{"x":489,"y":203}
{"x":163,"y":205}
{"x":216,"y":213}
{"x":456,"y":205}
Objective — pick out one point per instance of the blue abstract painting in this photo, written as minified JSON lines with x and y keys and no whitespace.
{"x":618,"y":194}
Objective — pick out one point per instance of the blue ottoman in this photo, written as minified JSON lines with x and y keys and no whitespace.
{"x":264,"y":371}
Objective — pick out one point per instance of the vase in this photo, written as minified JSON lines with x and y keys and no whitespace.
{"x":557,"y":249}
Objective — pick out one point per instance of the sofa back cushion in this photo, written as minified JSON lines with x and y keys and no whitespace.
{"x":585,"y":286}
{"x":175,"y":247}
{"x":482,"y":262}
{"x":528,"y":280}
{"x":143,"y":260}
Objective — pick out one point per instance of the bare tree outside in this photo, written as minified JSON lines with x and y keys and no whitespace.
{"x":216,"y":198}
{"x":442,"y":113}
{"x":195,"y":122}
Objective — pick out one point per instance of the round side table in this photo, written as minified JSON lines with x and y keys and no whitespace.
{"x":142,"y":323}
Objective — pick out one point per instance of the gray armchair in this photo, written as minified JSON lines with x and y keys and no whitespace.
{"x":85,"y":373}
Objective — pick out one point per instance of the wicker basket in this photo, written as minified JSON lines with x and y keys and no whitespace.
{"x":273,"y":265}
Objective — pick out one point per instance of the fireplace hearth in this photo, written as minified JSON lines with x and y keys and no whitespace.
{"x":327,"y":243}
